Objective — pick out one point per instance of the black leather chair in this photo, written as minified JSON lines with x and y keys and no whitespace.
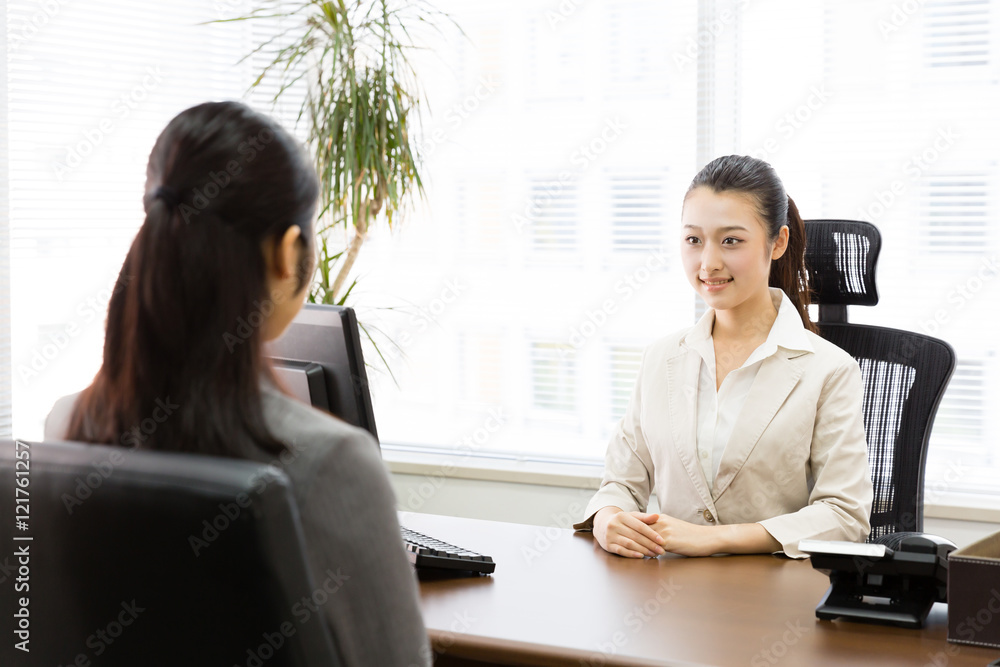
{"x":148,"y":559}
{"x":905,"y":373}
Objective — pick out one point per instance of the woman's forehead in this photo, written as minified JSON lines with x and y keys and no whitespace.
{"x":707,"y":210}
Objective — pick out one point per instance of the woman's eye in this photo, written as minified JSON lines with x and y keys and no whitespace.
{"x":692,"y":239}
{"x":729,"y":240}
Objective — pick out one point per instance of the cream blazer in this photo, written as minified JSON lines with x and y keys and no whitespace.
{"x":797,"y":461}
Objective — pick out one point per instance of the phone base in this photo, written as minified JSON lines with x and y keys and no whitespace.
{"x":908,"y":611}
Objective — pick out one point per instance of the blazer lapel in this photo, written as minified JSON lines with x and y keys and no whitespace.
{"x":682,"y":378}
{"x":777,"y":375}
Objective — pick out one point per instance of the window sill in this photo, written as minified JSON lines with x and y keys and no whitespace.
{"x":963,"y":507}
{"x":466,"y":465}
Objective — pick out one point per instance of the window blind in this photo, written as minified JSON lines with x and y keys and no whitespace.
{"x":555,"y":224}
{"x":885,"y":113}
{"x":623,"y":368}
{"x":550,"y":198}
{"x":954,"y":213}
{"x":867,"y":111}
{"x":957,"y":33}
{"x":638,"y":218}
{"x":90,"y":86}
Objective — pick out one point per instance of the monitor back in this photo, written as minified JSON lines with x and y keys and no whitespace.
{"x":328,"y":336}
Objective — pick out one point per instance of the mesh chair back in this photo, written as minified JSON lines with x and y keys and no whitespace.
{"x":905,"y":376}
{"x":841,"y":256}
{"x":905,"y":373}
{"x":151,"y":558}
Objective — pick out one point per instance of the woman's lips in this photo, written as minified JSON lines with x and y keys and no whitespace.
{"x":715,"y":285}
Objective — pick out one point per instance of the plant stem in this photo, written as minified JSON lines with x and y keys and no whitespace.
{"x":360,"y":233}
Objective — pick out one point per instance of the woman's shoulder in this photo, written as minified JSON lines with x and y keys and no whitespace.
{"x":57,"y":421}
{"x":313,"y":437}
{"x":829,"y":354}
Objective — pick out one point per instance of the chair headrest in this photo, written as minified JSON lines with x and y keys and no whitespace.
{"x":841,"y":256}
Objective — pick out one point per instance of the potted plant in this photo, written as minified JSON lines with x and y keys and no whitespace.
{"x":361,"y":104}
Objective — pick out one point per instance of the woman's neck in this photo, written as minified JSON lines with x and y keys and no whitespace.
{"x":750,"y":321}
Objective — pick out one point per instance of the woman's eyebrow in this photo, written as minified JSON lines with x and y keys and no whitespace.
{"x":729,"y":228}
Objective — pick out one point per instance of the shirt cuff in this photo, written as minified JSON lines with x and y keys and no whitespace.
{"x":611,"y":494}
{"x":787,"y":537}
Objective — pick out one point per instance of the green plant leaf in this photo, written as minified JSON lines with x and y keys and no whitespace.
{"x":362,"y":96}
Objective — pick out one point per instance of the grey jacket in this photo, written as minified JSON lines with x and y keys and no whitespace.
{"x":347,"y":509}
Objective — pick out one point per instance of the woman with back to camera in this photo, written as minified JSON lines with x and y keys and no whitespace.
{"x":748,"y":426}
{"x":228,"y":238}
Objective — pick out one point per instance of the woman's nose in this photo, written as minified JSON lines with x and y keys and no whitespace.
{"x":711,"y":258}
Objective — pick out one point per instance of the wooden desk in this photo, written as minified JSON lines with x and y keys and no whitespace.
{"x":557,"y":598}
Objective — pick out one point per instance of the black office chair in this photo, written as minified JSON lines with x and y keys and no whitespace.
{"x":149,"y":558}
{"x":905,"y":373}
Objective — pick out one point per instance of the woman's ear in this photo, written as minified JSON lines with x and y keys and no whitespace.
{"x":282,"y":254}
{"x":780,"y":243}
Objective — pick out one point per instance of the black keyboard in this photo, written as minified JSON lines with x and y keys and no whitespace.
{"x":427,"y":552}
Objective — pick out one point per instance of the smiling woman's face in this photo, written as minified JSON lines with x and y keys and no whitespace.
{"x":724,"y":248}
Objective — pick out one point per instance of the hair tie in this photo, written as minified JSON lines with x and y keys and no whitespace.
{"x":168,"y":195}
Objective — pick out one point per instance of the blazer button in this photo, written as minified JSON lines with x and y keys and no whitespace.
{"x":708,"y":516}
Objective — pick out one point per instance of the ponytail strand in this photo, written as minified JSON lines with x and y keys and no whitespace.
{"x":789,"y":273}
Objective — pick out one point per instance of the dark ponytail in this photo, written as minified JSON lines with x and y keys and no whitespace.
{"x":789,"y":271}
{"x":758,"y":180}
{"x":183,"y":349}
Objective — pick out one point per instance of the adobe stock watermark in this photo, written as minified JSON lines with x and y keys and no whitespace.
{"x":212,"y":529}
{"x":468,"y":446}
{"x":913,"y":168}
{"x":562,"y":12}
{"x":634,"y":621}
{"x":217,"y":181}
{"x":86,"y":312}
{"x":546,"y":537}
{"x":302,"y":610}
{"x":706,"y":37}
{"x":133,"y":438}
{"x":18,"y":36}
{"x":87,"y":484}
{"x":589,"y":152}
{"x":121,"y":109}
{"x":7,"y":570}
{"x":967,"y":630}
{"x":899,"y":16}
{"x":624,"y":289}
{"x":225,"y":9}
{"x":793,"y":121}
{"x":961,"y":294}
{"x":955,"y":473}
{"x":244,"y":328}
{"x":427,"y":315}
{"x":460,"y":625}
{"x":585,"y":155}
{"x":457,"y":114}
{"x":778,"y":649}
{"x":103,"y":638}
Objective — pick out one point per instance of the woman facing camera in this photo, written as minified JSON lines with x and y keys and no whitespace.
{"x":228,"y":238}
{"x":748,"y":426}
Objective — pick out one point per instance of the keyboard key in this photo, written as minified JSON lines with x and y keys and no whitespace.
{"x":430,"y":553}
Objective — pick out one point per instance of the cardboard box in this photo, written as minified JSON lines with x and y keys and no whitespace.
{"x":974,"y":593}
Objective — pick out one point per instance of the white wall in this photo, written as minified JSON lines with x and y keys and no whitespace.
{"x":543,"y":505}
